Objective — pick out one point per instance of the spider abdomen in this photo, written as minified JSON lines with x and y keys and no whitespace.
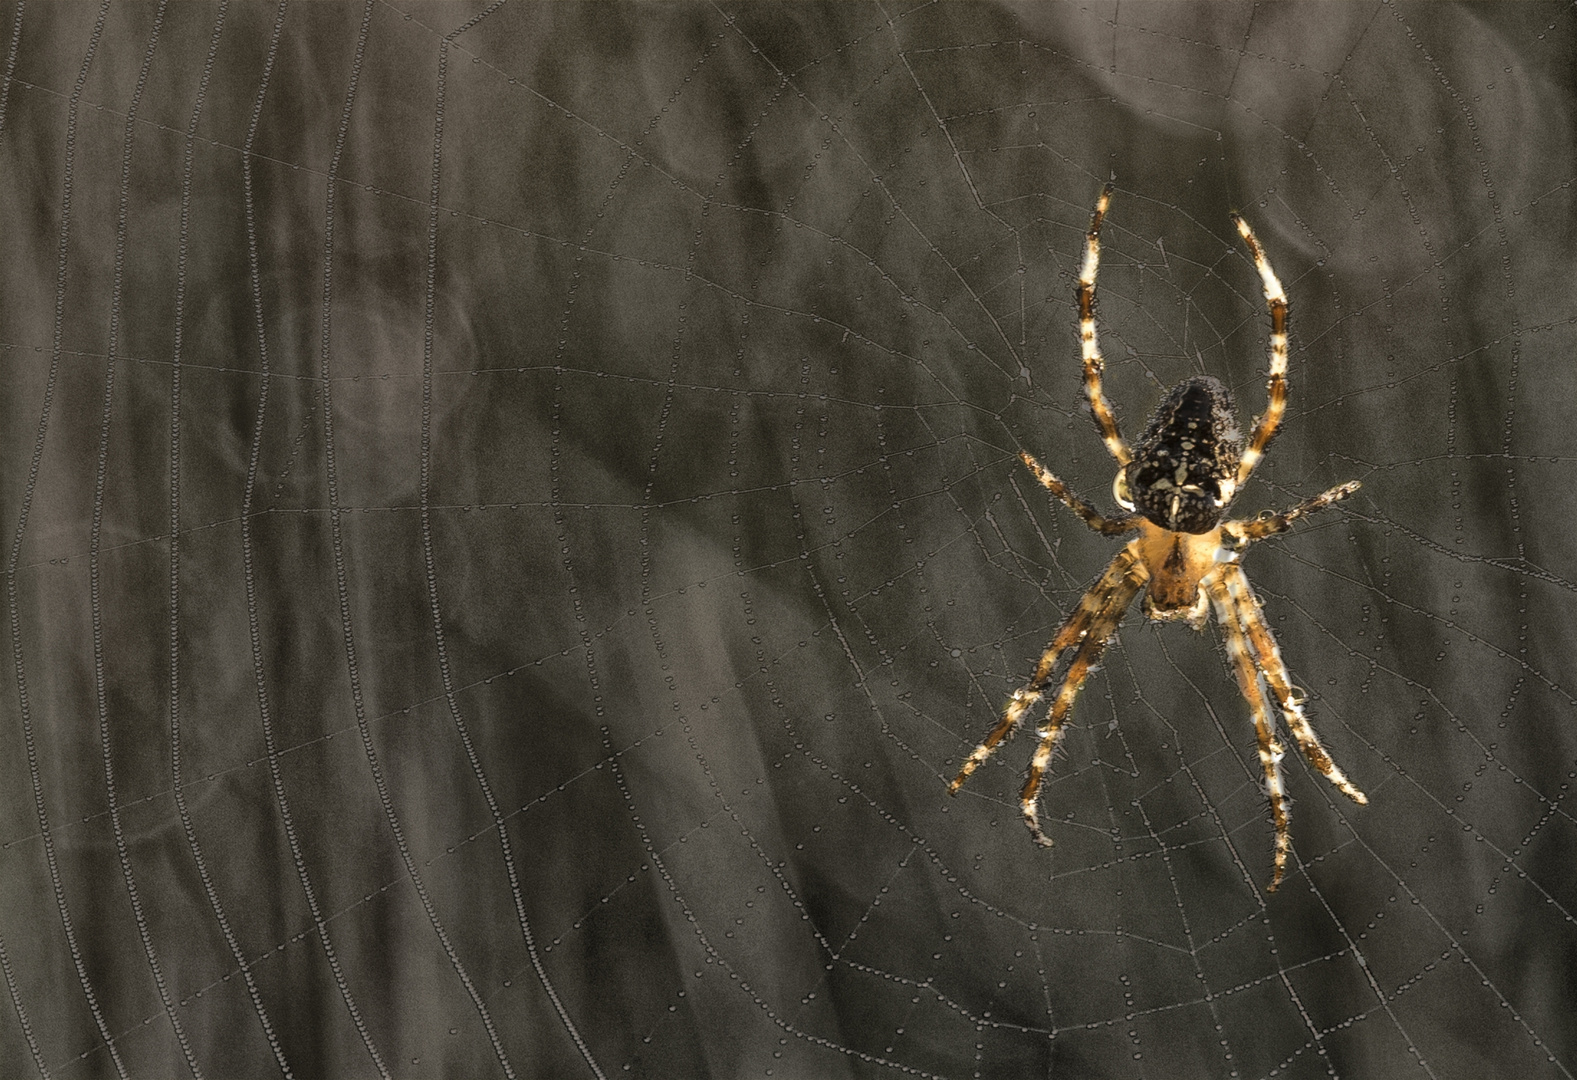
{"x":1184,"y":469}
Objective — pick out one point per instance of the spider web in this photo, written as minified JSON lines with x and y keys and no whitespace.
{"x":512,"y":520}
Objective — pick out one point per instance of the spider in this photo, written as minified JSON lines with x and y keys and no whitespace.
{"x":1174,"y":488}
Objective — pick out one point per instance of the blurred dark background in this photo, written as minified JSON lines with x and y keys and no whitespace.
{"x":512,"y":518}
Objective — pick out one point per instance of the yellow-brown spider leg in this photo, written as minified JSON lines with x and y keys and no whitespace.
{"x":1265,"y":427}
{"x":1087,"y":513}
{"x":1074,"y":629}
{"x":1090,"y":345}
{"x":1252,"y":617}
{"x":1270,"y":751}
{"x":1102,"y":627}
{"x":1247,"y":532}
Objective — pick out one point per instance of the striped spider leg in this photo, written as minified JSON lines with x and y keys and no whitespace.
{"x":1089,"y":342}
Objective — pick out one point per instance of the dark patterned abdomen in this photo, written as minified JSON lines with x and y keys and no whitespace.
{"x":1184,"y":469}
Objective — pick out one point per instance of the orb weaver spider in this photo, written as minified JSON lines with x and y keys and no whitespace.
{"x":1174,"y":488}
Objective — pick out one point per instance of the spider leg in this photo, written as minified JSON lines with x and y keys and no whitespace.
{"x":1087,"y":513}
{"x":1270,"y":751}
{"x":1103,"y":625}
{"x":1247,"y":532}
{"x":1252,"y":617}
{"x":1074,"y":629}
{"x":1265,"y":427}
{"x":1090,"y":345}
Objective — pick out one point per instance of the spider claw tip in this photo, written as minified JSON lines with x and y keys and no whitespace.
{"x":1040,"y":838}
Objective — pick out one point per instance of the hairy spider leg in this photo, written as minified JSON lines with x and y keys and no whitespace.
{"x":1087,"y":513}
{"x":1247,"y":532}
{"x":1102,"y":628}
{"x":1275,"y":299}
{"x":1090,"y":345}
{"x":1270,"y":751}
{"x":1074,"y":629}
{"x":1251,"y":616}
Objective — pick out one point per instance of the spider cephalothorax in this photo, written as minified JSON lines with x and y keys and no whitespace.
{"x":1175,"y":487}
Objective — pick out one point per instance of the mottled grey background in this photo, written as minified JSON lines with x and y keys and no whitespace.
{"x":511,"y":519}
